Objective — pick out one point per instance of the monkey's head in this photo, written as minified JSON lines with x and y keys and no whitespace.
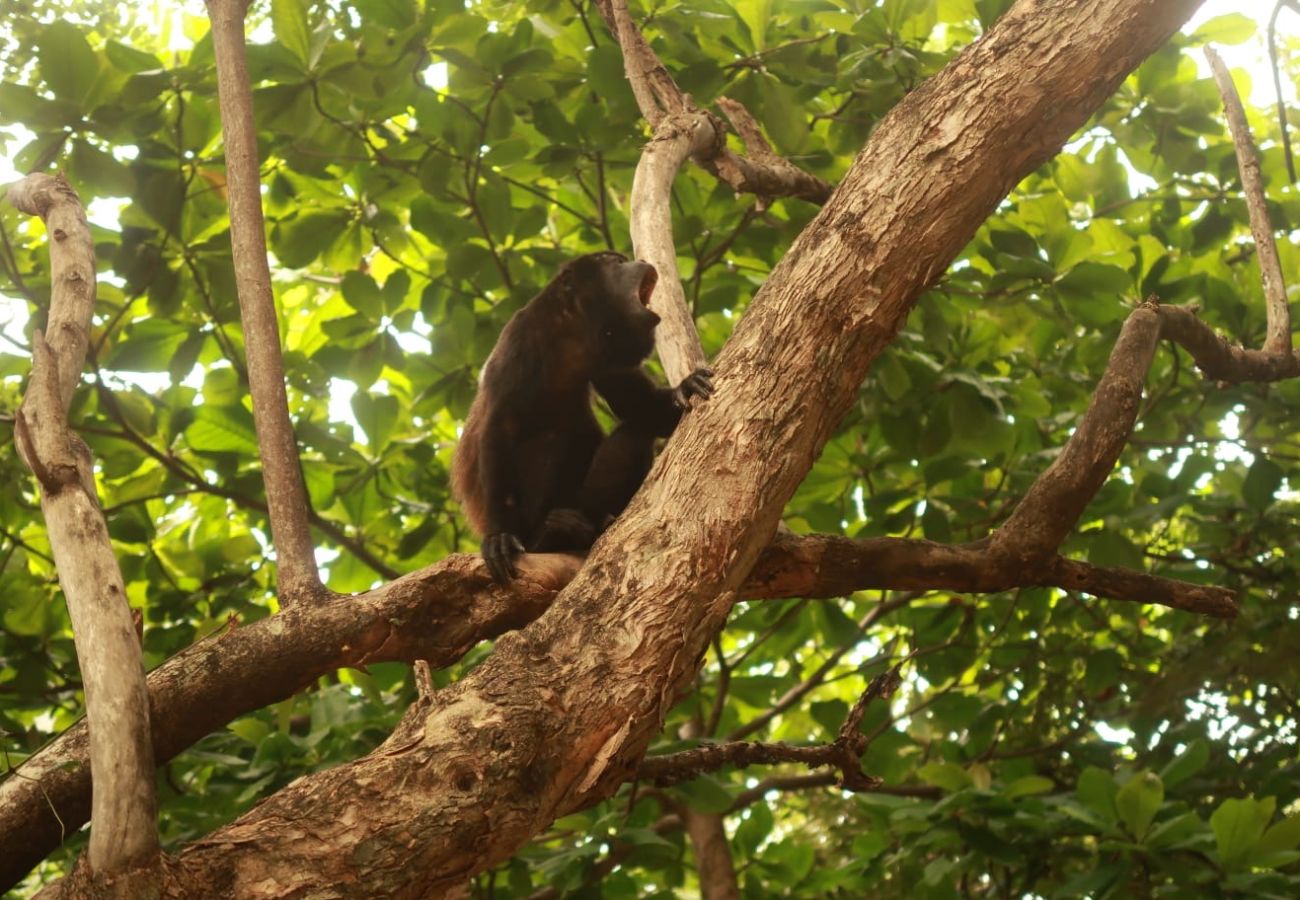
{"x":613,"y":293}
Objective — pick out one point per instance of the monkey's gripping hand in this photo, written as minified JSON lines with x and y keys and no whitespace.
{"x":499,"y":552}
{"x":697,"y":384}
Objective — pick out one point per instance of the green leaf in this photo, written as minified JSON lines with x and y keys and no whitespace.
{"x":68,"y":65}
{"x":1262,"y":482}
{"x":222,"y":429}
{"x":1096,"y":790}
{"x":1238,"y":825}
{"x":1285,"y":835}
{"x":950,"y":777}
{"x":1138,"y":802}
{"x":289,"y":22}
{"x":363,"y":294}
{"x":376,"y":414}
{"x":706,"y":794}
{"x":1028,"y":786}
{"x":1232,"y":28}
{"x":1186,"y":764}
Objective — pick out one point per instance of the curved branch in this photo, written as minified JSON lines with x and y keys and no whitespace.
{"x":124,"y":836}
{"x":1278,"y":338}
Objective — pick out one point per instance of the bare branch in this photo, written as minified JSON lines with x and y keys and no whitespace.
{"x":124,"y":835}
{"x":1218,"y":359}
{"x":1053,"y":504}
{"x":1277,"y":341}
{"x":286,"y":496}
{"x":844,"y":752}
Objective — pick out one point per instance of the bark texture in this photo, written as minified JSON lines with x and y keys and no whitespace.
{"x":124,"y":833}
{"x":497,"y":756}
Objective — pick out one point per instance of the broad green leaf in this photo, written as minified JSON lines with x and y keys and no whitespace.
{"x":944,"y":775}
{"x":1096,"y":790}
{"x":68,"y":64}
{"x":1186,"y":764}
{"x":1138,"y":801}
{"x":1232,"y":28}
{"x":705,"y":794}
{"x":1238,"y":825}
{"x":1028,"y":786}
{"x":222,"y":429}
{"x":1284,"y":835}
{"x":289,"y":21}
{"x":1262,"y":482}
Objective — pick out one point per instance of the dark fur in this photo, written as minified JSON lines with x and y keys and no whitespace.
{"x":533,"y":469}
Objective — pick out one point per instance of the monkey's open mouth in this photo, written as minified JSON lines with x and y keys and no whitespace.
{"x":648,"y":282}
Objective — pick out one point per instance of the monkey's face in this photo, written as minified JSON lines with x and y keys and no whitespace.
{"x":623,"y":326}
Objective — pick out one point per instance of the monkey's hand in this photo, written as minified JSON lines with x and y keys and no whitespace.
{"x":697,"y":384}
{"x":499,"y":552}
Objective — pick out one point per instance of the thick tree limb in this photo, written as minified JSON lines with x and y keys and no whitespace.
{"x":1216,"y":358}
{"x":437,"y":614}
{"x":286,"y":497}
{"x":124,"y":836}
{"x":1277,"y":340}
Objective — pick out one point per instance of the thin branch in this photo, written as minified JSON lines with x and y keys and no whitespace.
{"x":1277,"y":86}
{"x":281,"y":470}
{"x":659,"y":98}
{"x":1278,"y":338}
{"x":844,"y":752}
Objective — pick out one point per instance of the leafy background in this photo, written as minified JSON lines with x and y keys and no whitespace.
{"x":427,"y":164}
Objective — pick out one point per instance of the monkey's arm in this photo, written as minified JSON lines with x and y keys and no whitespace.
{"x":637,"y":400}
{"x":498,"y":476}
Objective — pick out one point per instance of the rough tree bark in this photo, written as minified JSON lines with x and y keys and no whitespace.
{"x":124,"y":836}
{"x":468,"y":778}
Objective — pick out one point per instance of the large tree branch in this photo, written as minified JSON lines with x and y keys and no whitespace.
{"x":124,"y":835}
{"x":286,"y":497}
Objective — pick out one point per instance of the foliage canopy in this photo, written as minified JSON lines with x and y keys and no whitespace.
{"x":427,"y":165}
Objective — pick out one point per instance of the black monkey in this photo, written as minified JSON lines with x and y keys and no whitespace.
{"x":533,"y":469}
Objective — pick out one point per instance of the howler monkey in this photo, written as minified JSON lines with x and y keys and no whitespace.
{"x":533,"y":469}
